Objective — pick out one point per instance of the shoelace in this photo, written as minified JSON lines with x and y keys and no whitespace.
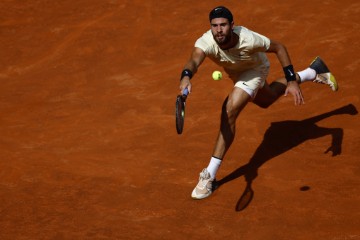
{"x":202,"y":179}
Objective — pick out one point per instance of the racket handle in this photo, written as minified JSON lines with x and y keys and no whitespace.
{"x":185,"y":92}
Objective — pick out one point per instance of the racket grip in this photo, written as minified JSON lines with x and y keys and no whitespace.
{"x":185,"y":92}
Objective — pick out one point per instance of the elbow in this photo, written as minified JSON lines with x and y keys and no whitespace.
{"x":277,"y":47}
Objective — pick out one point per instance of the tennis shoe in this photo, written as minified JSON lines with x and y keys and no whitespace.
{"x":323,"y":74}
{"x":204,"y":187}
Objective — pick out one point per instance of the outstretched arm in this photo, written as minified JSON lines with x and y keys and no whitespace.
{"x":190,"y":68}
{"x":290,"y":75}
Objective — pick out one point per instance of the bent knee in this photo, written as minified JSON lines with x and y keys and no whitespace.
{"x":263,"y":104}
{"x":265,"y":101}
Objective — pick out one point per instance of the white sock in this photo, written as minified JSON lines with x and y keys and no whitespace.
{"x":307,"y":75}
{"x":213,"y":166}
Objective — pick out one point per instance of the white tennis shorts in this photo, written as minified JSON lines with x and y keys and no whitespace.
{"x":252,"y":80}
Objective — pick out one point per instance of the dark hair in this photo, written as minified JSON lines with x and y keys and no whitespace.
{"x":221,"y":12}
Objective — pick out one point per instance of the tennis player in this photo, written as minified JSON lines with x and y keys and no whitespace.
{"x":242,"y":54}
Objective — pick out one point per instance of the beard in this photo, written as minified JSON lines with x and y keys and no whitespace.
{"x":222,"y":39}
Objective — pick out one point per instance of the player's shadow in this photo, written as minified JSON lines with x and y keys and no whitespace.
{"x":281,"y":137}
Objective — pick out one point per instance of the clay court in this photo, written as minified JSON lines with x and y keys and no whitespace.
{"x":88,"y":144}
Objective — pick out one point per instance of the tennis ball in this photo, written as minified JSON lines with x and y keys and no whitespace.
{"x":217,"y":75}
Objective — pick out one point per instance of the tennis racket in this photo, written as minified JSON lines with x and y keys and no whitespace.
{"x":180,"y":111}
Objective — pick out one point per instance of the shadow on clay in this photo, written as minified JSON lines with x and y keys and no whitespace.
{"x":281,"y":137}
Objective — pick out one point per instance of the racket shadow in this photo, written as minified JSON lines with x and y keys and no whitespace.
{"x":281,"y":137}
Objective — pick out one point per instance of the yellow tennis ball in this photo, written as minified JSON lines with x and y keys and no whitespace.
{"x":217,"y":75}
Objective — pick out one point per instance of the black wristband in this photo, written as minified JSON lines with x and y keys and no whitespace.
{"x":289,"y":73}
{"x":186,"y":72}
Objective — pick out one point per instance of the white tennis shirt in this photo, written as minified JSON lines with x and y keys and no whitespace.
{"x":248,"y":53}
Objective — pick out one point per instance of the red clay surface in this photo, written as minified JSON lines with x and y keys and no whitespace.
{"x":88,"y":143}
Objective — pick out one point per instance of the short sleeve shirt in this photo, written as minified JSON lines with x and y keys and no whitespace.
{"x":248,"y":53}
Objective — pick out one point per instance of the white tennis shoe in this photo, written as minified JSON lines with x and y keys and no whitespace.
{"x":204,"y":188}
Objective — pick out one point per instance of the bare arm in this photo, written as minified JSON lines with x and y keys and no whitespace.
{"x":196,"y":58}
{"x":284,"y":59}
{"x":281,"y":53}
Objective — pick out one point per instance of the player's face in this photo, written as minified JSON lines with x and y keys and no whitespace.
{"x":221,"y":30}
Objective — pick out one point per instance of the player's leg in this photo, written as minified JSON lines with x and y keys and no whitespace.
{"x":244,"y":90}
{"x":268,"y":94}
{"x":317,"y":72}
{"x":232,"y":106}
